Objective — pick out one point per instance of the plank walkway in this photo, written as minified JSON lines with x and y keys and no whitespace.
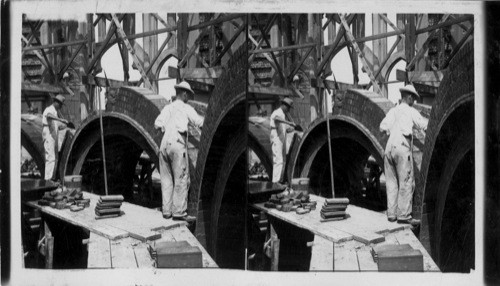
{"x":132,"y":253}
{"x":363,"y":225}
{"x":345,"y":245}
{"x":138,"y":222}
{"x":355,"y":256}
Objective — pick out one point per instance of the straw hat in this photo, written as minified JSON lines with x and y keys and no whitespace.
{"x":409,"y":89}
{"x":185,"y":86}
{"x":60,"y":98}
{"x":288,"y":101}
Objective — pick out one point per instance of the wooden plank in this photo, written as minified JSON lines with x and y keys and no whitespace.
{"x":346,"y":258}
{"x":84,"y":218}
{"x":421,"y":76}
{"x":122,"y":254}
{"x":40,"y":88}
{"x":365,"y":260}
{"x":195,"y":73}
{"x":99,"y":250}
{"x":142,"y":256}
{"x":183,"y":233}
{"x":277,"y":91}
{"x":368,"y":70}
{"x":137,"y":63}
{"x":407,"y":236}
{"x":311,"y":222}
{"x":321,"y":255}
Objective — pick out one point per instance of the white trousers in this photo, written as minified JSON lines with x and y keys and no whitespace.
{"x":400,"y":182}
{"x":277,"y":148}
{"x":174,"y":173}
{"x":50,"y":146}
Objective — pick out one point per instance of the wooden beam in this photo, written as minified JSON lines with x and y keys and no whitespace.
{"x":276,"y":91}
{"x":196,"y":73}
{"x":431,"y":88}
{"x":37,"y":53}
{"x":49,"y":64}
{"x":27,"y":86}
{"x":442,"y":24}
{"x":286,"y":48}
{"x":66,"y":67}
{"x":361,"y":56}
{"x":329,"y":84}
{"x":31,"y":36}
{"x":192,"y":49}
{"x":420,"y":76}
{"x":271,"y":62}
{"x":216,"y":21}
{"x":425,"y":46}
{"x":100,"y":81}
{"x":458,"y":46}
{"x":228,"y":45}
{"x":394,"y":46}
{"x":138,"y":64}
{"x":329,"y":55}
{"x":157,"y":55}
{"x":261,"y":40}
{"x":303,"y":59}
{"x":394,"y":27}
{"x":279,"y":70}
{"x":102,"y":48}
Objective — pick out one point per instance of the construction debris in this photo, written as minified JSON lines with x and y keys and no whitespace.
{"x":290,"y":200}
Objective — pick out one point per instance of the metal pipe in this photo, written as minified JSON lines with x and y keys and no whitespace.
{"x":332,"y":180}
{"x":102,"y":146}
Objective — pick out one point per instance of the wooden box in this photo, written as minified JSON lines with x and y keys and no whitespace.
{"x":177,"y":254}
{"x":401,"y":260}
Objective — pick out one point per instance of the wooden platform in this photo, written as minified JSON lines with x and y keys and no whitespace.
{"x":132,"y":253}
{"x":345,"y":245}
{"x":355,"y":256}
{"x":138,"y":222}
{"x":363,"y":225}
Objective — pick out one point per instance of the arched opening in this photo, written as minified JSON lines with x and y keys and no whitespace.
{"x":356,"y":164}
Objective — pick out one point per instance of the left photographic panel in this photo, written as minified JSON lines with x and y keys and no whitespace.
{"x":134,"y":135}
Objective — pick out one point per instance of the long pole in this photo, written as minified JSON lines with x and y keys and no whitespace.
{"x":329,"y":143}
{"x":102,"y":146}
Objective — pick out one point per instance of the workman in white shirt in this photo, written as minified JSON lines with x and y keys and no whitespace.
{"x":279,"y":129}
{"x":50,"y":130}
{"x":174,"y":163}
{"x":398,"y":157}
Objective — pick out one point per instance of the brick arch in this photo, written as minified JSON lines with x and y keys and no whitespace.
{"x":356,"y":118}
{"x":391,"y":62}
{"x":450,"y":139}
{"x":223,"y":121}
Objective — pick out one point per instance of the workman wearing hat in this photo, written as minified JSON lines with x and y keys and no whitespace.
{"x":398,"y":157}
{"x":278,"y":136}
{"x":174,"y":163}
{"x":50,"y":134}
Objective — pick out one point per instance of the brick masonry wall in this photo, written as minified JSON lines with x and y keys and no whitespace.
{"x":456,"y":88}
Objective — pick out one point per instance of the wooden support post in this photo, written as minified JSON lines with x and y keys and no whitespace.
{"x":410,"y":40}
{"x":275,"y":248}
{"x":102,"y":48}
{"x":49,"y":247}
{"x":376,"y":88}
{"x":132,"y":52}
{"x":303,"y":59}
{"x":66,"y":67}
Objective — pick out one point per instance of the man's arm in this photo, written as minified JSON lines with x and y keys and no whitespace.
{"x":162,"y":119}
{"x":52,"y":117}
{"x":194,"y":118}
{"x":387,"y":122}
{"x":419,"y":121}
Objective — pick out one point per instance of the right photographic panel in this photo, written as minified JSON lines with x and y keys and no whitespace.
{"x":361,"y":142}
{"x":492,"y":193}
